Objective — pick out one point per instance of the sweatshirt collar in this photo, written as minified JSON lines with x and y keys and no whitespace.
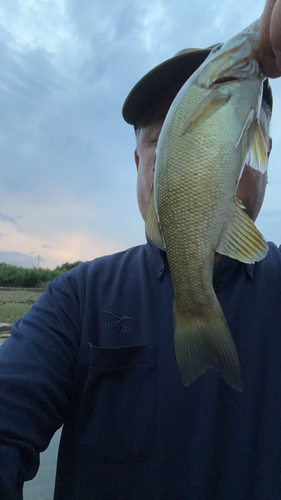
{"x":223,"y":272}
{"x":158,"y":258}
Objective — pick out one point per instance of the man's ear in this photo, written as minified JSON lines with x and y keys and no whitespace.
{"x":137,"y":159}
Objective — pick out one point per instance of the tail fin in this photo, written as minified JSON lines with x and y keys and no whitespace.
{"x":201,"y":343}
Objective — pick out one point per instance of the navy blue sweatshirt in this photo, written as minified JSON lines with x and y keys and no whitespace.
{"x":96,"y":354}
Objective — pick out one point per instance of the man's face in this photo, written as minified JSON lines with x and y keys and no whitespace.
{"x":251,"y":187}
{"x":144,"y":158}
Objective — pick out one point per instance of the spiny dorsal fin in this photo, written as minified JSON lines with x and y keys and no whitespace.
{"x":151,"y":223}
{"x":241,"y":239}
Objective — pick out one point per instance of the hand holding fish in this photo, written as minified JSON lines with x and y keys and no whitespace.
{"x":270,"y":39}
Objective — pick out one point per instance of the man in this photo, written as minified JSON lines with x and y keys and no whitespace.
{"x":96,"y":353}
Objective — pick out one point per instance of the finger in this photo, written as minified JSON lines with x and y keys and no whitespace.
{"x":275,"y":32}
{"x":265,"y":47}
{"x":270,"y":67}
{"x":270,"y":64}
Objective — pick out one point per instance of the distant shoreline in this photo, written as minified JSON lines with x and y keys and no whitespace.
{"x":13,"y":288}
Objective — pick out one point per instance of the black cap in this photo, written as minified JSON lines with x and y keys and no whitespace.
{"x":174,"y":71}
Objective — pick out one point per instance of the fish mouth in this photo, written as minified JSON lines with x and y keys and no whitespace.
{"x":226,"y":79}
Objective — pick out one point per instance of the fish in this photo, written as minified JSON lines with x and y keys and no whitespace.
{"x":210,"y":130}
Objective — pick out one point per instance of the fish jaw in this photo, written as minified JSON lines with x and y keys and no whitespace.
{"x":236,"y":59}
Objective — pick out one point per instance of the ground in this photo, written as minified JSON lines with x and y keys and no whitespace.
{"x":14,"y":303}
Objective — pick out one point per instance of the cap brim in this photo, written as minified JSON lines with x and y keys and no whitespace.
{"x":155,"y":83}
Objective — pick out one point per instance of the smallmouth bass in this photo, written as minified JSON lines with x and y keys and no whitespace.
{"x":210,"y":130}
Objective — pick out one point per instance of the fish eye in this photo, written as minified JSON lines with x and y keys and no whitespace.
{"x":217,"y":48}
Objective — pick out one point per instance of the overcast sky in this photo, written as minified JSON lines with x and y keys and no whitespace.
{"x":68,"y":178}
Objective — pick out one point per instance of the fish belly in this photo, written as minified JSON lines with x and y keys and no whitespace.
{"x":193,"y":190}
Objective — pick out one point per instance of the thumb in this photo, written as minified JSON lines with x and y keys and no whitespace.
{"x":275,"y":32}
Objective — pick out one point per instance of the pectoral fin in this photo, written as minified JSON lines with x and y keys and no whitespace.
{"x":257,"y":156}
{"x":241,"y":240}
{"x":151,"y":223}
{"x":206,"y":108}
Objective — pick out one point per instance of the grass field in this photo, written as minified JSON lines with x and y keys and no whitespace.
{"x":13,"y":305}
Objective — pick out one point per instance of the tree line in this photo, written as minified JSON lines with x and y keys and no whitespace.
{"x":24,"y":277}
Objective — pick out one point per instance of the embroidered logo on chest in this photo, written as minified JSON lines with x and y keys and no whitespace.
{"x":116,"y":323}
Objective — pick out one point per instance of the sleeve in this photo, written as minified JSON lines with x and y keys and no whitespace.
{"x":37,"y":370}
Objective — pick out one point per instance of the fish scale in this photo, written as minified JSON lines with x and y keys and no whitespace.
{"x":193,"y":211}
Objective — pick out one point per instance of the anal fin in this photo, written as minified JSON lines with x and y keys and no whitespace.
{"x":241,"y":239}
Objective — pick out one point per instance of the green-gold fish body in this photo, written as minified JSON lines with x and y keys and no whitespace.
{"x":210,"y":129}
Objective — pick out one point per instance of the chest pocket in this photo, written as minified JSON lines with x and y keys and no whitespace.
{"x":115,"y":407}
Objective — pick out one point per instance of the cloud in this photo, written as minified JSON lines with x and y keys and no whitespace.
{"x":66,"y":155}
{"x":18,"y":259}
{"x":65,"y":246}
{"x":7,"y":218}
